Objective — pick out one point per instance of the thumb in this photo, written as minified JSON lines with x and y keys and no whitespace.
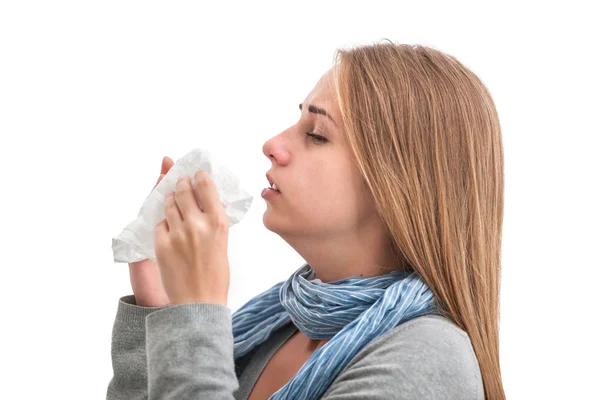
{"x":159,"y":179}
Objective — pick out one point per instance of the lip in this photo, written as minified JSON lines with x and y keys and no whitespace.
{"x":268,"y":194}
{"x":271,"y":182}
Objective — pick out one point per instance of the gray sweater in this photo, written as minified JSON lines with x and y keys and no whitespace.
{"x":186,"y":352}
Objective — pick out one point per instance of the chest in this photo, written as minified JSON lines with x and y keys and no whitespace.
{"x":284,"y":364}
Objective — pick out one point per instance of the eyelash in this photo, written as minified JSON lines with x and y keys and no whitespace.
{"x":321,"y":139}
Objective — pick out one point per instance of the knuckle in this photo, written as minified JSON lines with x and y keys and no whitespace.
{"x":161,"y":245}
{"x":178,"y":236}
{"x":161,"y":242}
{"x":220,"y":222}
{"x":192,"y":230}
{"x":169,"y":203}
{"x":181,"y":185}
{"x":202,"y":177}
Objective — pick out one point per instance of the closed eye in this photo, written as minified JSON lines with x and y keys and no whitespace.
{"x":317,"y":139}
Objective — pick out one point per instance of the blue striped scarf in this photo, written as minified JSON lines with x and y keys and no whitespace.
{"x":350,"y":312}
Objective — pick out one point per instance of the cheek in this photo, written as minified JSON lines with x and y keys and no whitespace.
{"x":328,"y":198}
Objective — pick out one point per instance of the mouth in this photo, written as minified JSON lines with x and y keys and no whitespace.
{"x":273,"y":185}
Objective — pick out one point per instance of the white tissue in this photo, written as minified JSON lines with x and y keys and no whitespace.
{"x":136,"y":242}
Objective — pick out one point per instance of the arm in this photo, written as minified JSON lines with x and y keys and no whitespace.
{"x":190,"y":353}
{"x":425,"y":358}
{"x":128,"y":351}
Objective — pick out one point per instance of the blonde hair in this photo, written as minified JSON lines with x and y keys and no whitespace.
{"x":426,"y":137}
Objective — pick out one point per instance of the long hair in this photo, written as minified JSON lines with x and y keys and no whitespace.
{"x":426,"y":138}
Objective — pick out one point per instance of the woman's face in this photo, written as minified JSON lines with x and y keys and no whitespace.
{"x":322,"y":194}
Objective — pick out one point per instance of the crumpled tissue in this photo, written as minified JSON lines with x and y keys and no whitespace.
{"x":136,"y":241}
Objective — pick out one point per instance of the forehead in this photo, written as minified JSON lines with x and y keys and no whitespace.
{"x":323,"y":95}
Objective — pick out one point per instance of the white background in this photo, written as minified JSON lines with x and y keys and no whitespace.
{"x":94,"y":94}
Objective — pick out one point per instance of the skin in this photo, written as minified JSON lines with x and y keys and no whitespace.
{"x":324,"y":210}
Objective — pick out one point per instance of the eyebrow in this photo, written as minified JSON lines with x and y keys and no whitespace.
{"x":317,"y":110}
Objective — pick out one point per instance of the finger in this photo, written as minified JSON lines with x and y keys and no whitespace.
{"x":186,"y":199}
{"x":172,"y":214}
{"x":207,"y":192}
{"x":167,"y":163}
{"x":159,"y":179}
{"x":160,"y":229}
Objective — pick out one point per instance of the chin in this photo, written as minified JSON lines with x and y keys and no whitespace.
{"x":268,"y":220}
{"x":276,"y":224}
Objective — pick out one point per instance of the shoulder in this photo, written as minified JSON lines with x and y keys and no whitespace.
{"x":427,"y":357}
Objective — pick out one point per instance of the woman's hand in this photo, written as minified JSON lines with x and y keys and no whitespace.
{"x":191,"y":243}
{"x":144,"y":275}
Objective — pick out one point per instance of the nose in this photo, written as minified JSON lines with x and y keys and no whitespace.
{"x":275,"y":150}
{"x":266,"y":148}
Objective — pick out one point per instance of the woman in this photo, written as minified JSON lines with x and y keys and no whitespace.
{"x":390,"y":186}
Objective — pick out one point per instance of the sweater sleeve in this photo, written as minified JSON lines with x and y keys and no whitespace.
{"x":128,"y":351}
{"x":426,"y":358}
{"x":190,"y":353}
